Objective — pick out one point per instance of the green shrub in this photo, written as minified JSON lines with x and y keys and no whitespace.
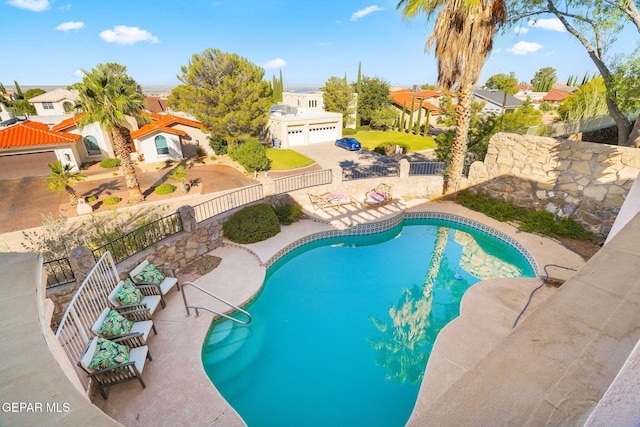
{"x":389,"y":148}
{"x":349,"y":131}
{"x":252,"y":224}
{"x":496,"y":209}
{"x":113,"y":200}
{"x":363,"y":128}
{"x":288,"y":214}
{"x":90,"y":199}
{"x":109,"y":163}
{"x":200,"y":151}
{"x":218,"y":144}
{"x":252,"y":155}
{"x":165,"y":188}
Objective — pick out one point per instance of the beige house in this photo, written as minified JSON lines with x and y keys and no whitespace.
{"x":57,"y":102}
{"x":313,"y":100}
{"x":292,"y":126}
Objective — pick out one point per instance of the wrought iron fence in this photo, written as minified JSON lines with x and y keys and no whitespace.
{"x":228,"y":201}
{"x":59,"y":272}
{"x":74,"y":330}
{"x":141,"y":238}
{"x":426,"y":168}
{"x":302,"y":180}
{"x":370,"y":171}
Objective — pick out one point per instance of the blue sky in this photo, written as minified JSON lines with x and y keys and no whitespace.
{"x":48,"y":42}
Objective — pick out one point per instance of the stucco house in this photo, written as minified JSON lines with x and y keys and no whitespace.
{"x":27,"y":148}
{"x":290,"y":126}
{"x":56,"y":102}
{"x":494,"y":99}
{"x":413,"y":101}
{"x":313,"y":100}
{"x":169,"y":137}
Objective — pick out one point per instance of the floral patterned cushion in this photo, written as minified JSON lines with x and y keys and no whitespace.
{"x":115,"y":324}
{"x":108,"y":354}
{"x":129,"y":293}
{"x":150,"y":274}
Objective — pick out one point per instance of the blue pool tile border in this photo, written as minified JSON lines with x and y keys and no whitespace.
{"x":380,"y":226}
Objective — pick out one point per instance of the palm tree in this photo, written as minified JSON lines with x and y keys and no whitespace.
{"x":107,"y":96}
{"x":63,"y":177}
{"x":463,"y":35}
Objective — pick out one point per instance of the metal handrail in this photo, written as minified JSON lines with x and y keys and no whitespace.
{"x":200,"y":307}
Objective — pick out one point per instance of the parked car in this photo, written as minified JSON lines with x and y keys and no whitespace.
{"x":351,"y":144}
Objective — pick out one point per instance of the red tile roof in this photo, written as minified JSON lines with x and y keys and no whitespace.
{"x":28,"y":134}
{"x":156,"y":104}
{"x":555,"y":95}
{"x":68,"y":123}
{"x":165,"y":124}
{"x":403,"y":97}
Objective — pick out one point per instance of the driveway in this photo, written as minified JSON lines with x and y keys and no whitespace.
{"x":24,"y":201}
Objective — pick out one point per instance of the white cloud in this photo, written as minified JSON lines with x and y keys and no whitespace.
{"x":32,"y":5}
{"x":552,"y":24}
{"x":71,"y":25}
{"x":523,"y":48}
{"x":122,"y":34}
{"x":364,"y":12}
{"x":275,"y":63}
{"x":521,"y":30}
{"x":65,"y":7}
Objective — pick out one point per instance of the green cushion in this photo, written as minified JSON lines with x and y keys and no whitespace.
{"x":149,"y":274}
{"x":129,"y":293}
{"x":115,"y":324}
{"x":108,"y":354}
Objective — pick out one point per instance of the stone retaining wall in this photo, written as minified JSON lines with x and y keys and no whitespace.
{"x":585,"y":181}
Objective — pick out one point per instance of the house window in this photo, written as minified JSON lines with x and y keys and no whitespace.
{"x":91,"y":145}
{"x":68,"y":107}
{"x":47,"y":105}
{"x":161,"y":145}
{"x":313,"y":103}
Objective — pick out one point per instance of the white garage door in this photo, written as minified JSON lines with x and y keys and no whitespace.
{"x":295,"y":136}
{"x":322,"y":133}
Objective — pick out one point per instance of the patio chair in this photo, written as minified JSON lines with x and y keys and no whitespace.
{"x":330,"y":201}
{"x":113,"y":325}
{"x":107,"y":363}
{"x":130,"y":301}
{"x":154,"y":280}
{"x":379,"y":196}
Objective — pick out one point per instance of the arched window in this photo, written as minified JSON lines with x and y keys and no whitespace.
{"x":68,"y":106}
{"x":161,"y":145}
{"x":91,"y":144}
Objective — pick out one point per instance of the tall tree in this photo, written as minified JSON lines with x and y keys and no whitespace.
{"x":338,"y":98}
{"x":359,"y":92}
{"x":62,"y":178}
{"x":226,"y":93}
{"x":2,"y":89}
{"x":108,"y":96}
{"x":505,"y":84}
{"x":463,"y":36}
{"x":373,"y":95}
{"x":544,"y":79}
{"x":594,"y":23}
{"x":19,"y":94}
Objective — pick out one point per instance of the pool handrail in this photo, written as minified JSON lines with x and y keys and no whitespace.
{"x":200,"y":307}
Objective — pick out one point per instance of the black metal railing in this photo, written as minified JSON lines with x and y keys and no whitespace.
{"x":228,"y":201}
{"x":426,"y":168}
{"x":59,"y":272}
{"x":302,"y":180}
{"x":141,"y":238}
{"x":371,"y":171}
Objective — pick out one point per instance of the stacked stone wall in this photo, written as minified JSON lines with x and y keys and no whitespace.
{"x":585,"y":181}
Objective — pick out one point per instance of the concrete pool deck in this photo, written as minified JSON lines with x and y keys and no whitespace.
{"x":178,"y":390}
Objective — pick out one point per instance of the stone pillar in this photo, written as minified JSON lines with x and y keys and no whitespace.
{"x":188,"y":215}
{"x":336,"y":175}
{"x":82,"y":261}
{"x":404,"y":168}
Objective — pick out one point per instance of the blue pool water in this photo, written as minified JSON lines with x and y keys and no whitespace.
{"x":343,"y":327}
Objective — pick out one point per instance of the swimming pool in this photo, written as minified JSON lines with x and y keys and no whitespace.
{"x":344,"y":326}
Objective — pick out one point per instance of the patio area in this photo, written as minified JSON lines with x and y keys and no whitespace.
{"x":178,"y":391}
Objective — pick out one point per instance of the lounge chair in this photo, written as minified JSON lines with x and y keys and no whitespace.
{"x":134,"y":305}
{"x":107,"y":363}
{"x":330,"y":201}
{"x":154,"y":280}
{"x":379,"y":196}
{"x":113,"y":325}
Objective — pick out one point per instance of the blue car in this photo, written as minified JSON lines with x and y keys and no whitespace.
{"x":350,"y":144}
